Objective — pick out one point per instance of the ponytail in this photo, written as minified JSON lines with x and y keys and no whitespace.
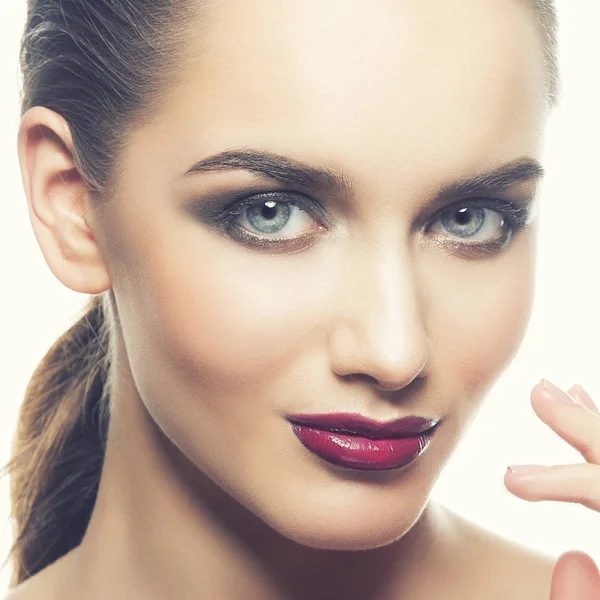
{"x":102,"y":65}
{"x":59,"y":446}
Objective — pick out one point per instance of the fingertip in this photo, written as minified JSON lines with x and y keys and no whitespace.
{"x":575,"y":575}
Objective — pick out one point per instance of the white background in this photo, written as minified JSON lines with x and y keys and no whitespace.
{"x":561,"y":343}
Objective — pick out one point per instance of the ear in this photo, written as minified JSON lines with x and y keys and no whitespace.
{"x":58,"y":200}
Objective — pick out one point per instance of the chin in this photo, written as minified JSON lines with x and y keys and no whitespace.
{"x":352,"y":530}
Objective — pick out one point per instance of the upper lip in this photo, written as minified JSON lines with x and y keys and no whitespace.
{"x":359,"y":425}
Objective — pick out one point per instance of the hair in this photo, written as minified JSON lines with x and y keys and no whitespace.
{"x":101,"y":64}
{"x":547,"y":21}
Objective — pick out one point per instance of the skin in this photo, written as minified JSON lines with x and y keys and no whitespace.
{"x":205,"y":488}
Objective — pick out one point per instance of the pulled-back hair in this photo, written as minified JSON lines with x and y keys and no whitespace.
{"x":546,"y":19}
{"x":101,"y":64}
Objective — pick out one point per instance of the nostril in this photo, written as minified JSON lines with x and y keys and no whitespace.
{"x":385,"y":385}
{"x":363,"y":377}
{"x":391,"y":386}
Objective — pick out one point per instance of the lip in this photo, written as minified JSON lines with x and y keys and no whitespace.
{"x":353,"y":441}
{"x":358,"y":425}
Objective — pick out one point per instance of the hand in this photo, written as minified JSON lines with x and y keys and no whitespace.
{"x":575,"y":577}
{"x":576,"y":419}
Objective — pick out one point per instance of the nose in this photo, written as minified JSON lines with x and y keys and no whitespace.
{"x":378,"y":331}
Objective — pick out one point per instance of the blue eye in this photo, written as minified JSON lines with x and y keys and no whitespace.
{"x":291,"y":220}
{"x":276,"y":217}
{"x":473,"y":223}
{"x":275,"y":220}
{"x":480,"y":226}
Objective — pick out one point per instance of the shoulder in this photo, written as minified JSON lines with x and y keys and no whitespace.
{"x":23,"y":591}
{"x":28,"y":590}
{"x":496,"y":567}
{"x":48,"y":584}
{"x":32,"y":589}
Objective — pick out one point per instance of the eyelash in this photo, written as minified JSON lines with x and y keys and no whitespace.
{"x":514,"y":215}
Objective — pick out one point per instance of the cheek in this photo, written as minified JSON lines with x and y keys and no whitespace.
{"x":218,"y":317}
{"x":479,"y":326}
{"x":212,"y":332}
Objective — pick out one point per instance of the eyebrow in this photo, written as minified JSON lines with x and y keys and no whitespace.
{"x":275,"y":166}
{"x":291,"y":171}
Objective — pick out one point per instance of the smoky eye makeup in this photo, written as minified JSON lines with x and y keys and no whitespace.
{"x":456,"y":228}
{"x":221,"y":213}
{"x":464,"y":223}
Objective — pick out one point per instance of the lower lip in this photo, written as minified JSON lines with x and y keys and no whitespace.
{"x":357,"y":452}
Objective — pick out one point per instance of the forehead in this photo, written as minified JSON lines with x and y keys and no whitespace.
{"x":458,"y":82}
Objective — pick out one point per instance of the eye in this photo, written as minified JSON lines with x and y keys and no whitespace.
{"x":275,"y":219}
{"x":474,"y":223}
{"x":290,"y":220}
{"x":485,"y":224}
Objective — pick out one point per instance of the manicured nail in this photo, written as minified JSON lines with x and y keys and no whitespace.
{"x":583,"y":397}
{"x":553,"y":392}
{"x":518,"y":470}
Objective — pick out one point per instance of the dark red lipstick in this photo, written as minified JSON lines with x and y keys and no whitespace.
{"x":351,"y":440}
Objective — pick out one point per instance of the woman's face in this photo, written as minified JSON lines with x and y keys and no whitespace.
{"x":378,"y":298}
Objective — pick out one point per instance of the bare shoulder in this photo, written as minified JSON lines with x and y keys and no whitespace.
{"x":28,"y":590}
{"x":47,"y":584}
{"x":497,"y":567}
{"x":32,"y":589}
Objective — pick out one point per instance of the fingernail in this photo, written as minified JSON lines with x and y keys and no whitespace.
{"x":553,"y":392}
{"x":583,"y":397}
{"x":519,"y":470}
{"x":574,"y":393}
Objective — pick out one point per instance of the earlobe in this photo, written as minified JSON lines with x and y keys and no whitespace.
{"x":59,"y":200}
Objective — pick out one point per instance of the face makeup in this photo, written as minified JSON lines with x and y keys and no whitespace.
{"x":304,"y":229}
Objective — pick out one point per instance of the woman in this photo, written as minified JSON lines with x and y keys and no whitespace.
{"x":296,"y":219}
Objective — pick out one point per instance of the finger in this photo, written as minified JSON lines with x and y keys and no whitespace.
{"x":573,"y":422}
{"x":581,"y":396}
{"x":578,"y":483}
{"x":575,"y":577}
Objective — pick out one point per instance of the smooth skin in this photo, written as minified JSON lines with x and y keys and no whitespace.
{"x":205,"y":489}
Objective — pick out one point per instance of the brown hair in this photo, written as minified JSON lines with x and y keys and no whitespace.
{"x":100,"y":64}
